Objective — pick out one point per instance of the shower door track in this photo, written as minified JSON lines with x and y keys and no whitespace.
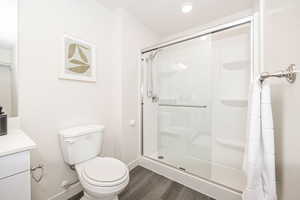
{"x":191,"y":174}
{"x":182,"y":106}
{"x":215,"y":29}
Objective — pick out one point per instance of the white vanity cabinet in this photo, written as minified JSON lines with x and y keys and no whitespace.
{"x":15,"y":166}
{"x":15,"y":176}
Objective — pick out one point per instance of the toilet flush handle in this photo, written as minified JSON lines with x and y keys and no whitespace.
{"x":71,"y":141}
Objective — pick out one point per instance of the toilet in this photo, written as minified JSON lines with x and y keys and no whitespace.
{"x":102,"y":178}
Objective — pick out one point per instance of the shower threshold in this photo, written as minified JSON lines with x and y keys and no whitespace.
{"x":189,"y":164}
{"x":195,"y":182}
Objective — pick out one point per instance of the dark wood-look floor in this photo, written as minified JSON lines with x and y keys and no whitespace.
{"x":77,"y":196}
{"x":147,"y":185}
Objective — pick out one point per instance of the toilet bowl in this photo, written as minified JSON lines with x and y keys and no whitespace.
{"x":102,"y":178}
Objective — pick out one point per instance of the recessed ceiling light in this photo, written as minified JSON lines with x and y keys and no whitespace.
{"x":187,"y":7}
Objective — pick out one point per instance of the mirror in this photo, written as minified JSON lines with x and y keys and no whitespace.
{"x":8,"y":57}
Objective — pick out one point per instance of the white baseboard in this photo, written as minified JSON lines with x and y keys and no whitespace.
{"x":66,"y":194}
{"x":133,"y":164}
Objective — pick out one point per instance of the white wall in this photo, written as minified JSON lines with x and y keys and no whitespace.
{"x":48,"y":104}
{"x":281,"y":48}
{"x":133,"y":37}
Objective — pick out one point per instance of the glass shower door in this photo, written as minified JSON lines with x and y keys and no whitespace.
{"x":195,"y":105}
{"x":181,"y":106}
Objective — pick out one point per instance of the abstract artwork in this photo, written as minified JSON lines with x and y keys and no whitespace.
{"x":79,"y":60}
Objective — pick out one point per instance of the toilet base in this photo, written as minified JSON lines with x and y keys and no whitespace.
{"x":88,"y":197}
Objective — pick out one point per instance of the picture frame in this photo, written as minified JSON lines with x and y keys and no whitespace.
{"x":79,"y":60}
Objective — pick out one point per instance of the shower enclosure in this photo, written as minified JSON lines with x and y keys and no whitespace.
{"x":194,"y":103}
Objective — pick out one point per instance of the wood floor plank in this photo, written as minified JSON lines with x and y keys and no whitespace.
{"x":172,"y":191}
{"x":189,"y":194}
{"x":147,"y":185}
{"x":159,"y":190}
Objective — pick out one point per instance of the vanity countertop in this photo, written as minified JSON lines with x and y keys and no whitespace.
{"x":15,"y":141}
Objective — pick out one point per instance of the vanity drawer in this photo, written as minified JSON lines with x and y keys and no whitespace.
{"x":16,"y":187}
{"x":14,"y":164}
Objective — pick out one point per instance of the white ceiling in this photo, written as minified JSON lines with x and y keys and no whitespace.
{"x":165,"y":16}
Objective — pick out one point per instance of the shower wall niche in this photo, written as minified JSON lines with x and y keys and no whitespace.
{"x":195,"y":104}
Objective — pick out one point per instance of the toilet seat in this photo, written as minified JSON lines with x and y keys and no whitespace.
{"x":104,"y":172}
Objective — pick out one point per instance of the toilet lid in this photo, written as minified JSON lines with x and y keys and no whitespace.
{"x":105,"y":170}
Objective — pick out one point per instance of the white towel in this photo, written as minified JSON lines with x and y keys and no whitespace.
{"x":259,"y":160}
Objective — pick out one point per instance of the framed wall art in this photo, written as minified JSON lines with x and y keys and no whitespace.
{"x":79,"y":60}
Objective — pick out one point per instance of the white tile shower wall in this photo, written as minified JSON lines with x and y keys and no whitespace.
{"x":184,"y":80}
{"x":231,"y":77}
{"x":180,"y":79}
{"x":48,"y":104}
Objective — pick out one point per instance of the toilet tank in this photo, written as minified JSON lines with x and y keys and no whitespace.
{"x":81,"y":143}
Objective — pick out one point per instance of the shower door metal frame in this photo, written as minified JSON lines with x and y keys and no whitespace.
{"x":254,"y":64}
